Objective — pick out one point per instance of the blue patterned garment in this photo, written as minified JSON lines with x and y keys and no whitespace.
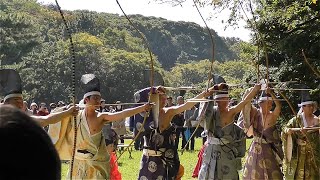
{"x":165,"y":165}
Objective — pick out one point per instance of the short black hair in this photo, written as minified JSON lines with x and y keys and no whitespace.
{"x":27,"y":151}
{"x":43,"y":104}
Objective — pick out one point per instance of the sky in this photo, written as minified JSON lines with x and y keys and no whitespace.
{"x":186,"y":13}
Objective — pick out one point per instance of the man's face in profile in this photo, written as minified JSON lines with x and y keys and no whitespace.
{"x":15,"y":101}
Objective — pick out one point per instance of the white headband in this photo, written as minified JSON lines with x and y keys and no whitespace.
{"x":305,"y":103}
{"x":264,"y":98}
{"x":220,"y":96}
{"x":91,"y":93}
{"x":11,"y":96}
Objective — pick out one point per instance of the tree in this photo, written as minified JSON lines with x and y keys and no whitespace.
{"x":17,"y":32}
{"x":282,"y":29}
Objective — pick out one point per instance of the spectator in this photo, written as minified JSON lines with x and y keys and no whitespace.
{"x":52,"y":106}
{"x":43,"y":110}
{"x":25,"y":108}
{"x":111,"y":109}
{"x":119,"y":126}
{"x":131,"y":124}
{"x":103,"y":107}
{"x":178,"y":121}
{"x":34,"y":108}
{"x":61,"y":104}
{"x":27,"y":152}
{"x":169,"y":102}
{"x":190,"y":117}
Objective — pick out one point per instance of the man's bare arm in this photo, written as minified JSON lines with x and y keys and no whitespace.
{"x":188,"y":105}
{"x":237,"y":108}
{"x":55,"y":117}
{"x":107,"y":117}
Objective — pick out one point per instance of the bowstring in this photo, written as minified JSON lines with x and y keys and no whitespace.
{"x":73,"y":58}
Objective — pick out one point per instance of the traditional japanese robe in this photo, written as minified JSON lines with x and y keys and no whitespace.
{"x":92,"y":160}
{"x":54,"y":129}
{"x":161,"y":161}
{"x":222,"y":155}
{"x":305,"y":161}
{"x":265,"y":155}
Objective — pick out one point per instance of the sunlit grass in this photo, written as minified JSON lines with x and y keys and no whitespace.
{"x":129,"y":168}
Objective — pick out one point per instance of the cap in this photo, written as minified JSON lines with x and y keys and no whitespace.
{"x":10,"y":84}
{"x":217,"y":79}
{"x":223,"y":91}
{"x":33,"y":104}
{"x":90,"y":84}
{"x":61,"y":103}
{"x":305,"y":97}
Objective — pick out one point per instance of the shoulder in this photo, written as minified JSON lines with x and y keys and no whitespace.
{"x":103,"y":116}
{"x":169,"y":110}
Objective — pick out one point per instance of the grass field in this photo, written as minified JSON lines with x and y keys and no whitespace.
{"x":129,"y":168}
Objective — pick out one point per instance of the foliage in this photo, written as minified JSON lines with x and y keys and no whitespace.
{"x":288,"y":28}
{"x":282,"y":29}
{"x":17,"y":33}
{"x":34,"y":41}
{"x":196,"y":74}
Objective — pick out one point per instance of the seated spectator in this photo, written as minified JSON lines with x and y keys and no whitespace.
{"x":27,"y":151}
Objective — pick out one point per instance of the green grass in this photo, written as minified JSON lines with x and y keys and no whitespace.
{"x":129,"y":168}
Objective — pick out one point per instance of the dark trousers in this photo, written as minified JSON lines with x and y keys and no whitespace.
{"x":138,"y":144}
{"x":199,"y":131}
{"x":192,"y":139}
{"x":121,"y":138}
{"x":180,"y":130}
